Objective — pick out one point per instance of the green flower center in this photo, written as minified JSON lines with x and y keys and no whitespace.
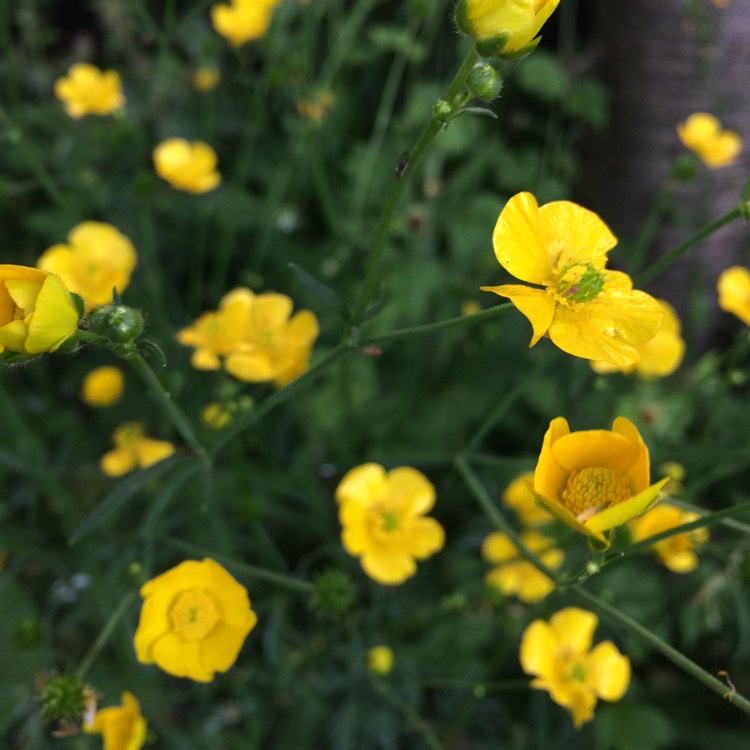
{"x":580,"y":282}
{"x":578,"y":672}
{"x":389,"y":520}
{"x":594,"y":488}
{"x":193,"y":614}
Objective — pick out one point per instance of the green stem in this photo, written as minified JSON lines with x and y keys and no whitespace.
{"x":251,"y":571}
{"x":411,"y":715}
{"x":396,"y":190}
{"x":105,"y":634}
{"x":480,"y":493}
{"x":405,"y":333}
{"x":16,"y":138}
{"x":676,"y":657}
{"x":664,"y":262}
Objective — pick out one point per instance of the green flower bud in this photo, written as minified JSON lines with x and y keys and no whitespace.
{"x":484,"y":82}
{"x":333,"y":595}
{"x":442,"y":110}
{"x":118,"y":323}
{"x":64,"y":699}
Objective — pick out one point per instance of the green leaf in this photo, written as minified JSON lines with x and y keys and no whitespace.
{"x":320,"y":290}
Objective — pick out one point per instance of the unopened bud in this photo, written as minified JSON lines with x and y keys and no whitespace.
{"x":484,"y":82}
{"x":118,"y":323}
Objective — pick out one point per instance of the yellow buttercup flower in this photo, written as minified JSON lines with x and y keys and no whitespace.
{"x":558,"y":654}
{"x":187,"y":166}
{"x":702,"y":133}
{"x":519,"y":495}
{"x":676,"y":552}
{"x":660,"y":356}
{"x":734,"y":292}
{"x":383,"y":520}
{"x":595,"y":480}
{"x":37,"y":312}
{"x":504,"y":26}
{"x":206,"y":78}
{"x":194,"y":620}
{"x":380,"y":660}
{"x":243,"y":20}
{"x":97,"y":259}
{"x":515,"y":575}
{"x":87,"y":90}
{"x":254,"y":336}
{"x":122,"y":727}
{"x":216,"y":416}
{"x":586,"y":310}
{"x":316,"y":107}
{"x":133,"y":450}
{"x":103,"y":386}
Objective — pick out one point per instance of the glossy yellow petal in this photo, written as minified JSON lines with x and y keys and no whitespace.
{"x":412,"y":489}
{"x":388,"y":567}
{"x":538,"y":306}
{"x":538,"y":646}
{"x":181,"y":658}
{"x":563,"y":514}
{"x":303,"y":329}
{"x":149,"y":452}
{"x":221,"y":649}
{"x":640,"y":471}
{"x":594,"y":448}
{"x":549,"y":476}
{"x":427,"y":536}
{"x":621,"y":513}
{"x":272,"y":310}
{"x":253,"y":367}
{"x":574,"y":629}
{"x":117,"y":462}
{"x":734,"y":292}
{"x":365,"y":484}
{"x":609,"y":671}
{"x":519,"y":245}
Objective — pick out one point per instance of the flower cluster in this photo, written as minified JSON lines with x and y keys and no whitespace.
{"x":194,"y":620}
{"x":86,"y":90}
{"x":383,"y":520}
{"x":255,"y":337}
{"x":703,"y":134}
{"x":133,"y":450}
{"x":241,"y":21}
{"x":587,"y":310}
{"x":97,"y":259}
{"x":558,"y":654}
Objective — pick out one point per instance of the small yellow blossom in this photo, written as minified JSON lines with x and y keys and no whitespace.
{"x":558,"y":654}
{"x":103,"y":386}
{"x":519,"y":495}
{"x":133,"y":450}
{"x":470,"y":307}
{"x":122,"y":727}
{"x":97,"y":259}
{"x":206,"y":79}
{"x":187,"y":166}
{"x":37,"y":311}
{"x":317,"y":107}
{"x":380,"y":660}
{"x":515,"y":575}
{"x":702,"y":133}
{"x":660,"y":356}
{"x":676,"y":552}
{"x":383,"y":520}
{"x":594,"y":480}
{"x":255,"y":337}
{"x":86,"y":90}
{"x":216,"y":416}
{"x":241,"y":21}
{"x":194,"y":620}
{"x":502,"y":27}
{"x":734,"y":292}
{"x":586,"y":310}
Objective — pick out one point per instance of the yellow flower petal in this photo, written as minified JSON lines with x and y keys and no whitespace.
{"x":734,"y":292}
{"x":617,"y":515}
{"x":574,"y":629}
{"x":535,"y":304}
{"x":364,"y":484}
{"x":610,"y":671}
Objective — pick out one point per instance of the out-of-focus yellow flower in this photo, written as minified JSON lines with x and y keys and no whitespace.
{"x":470,"y":307}
{"x":216,"y":416}
{"x":37,"y":312}
{"x":594,"y":480}
{"x":243,"y":20}
{"x":586,"y":310}
{"x":194,"y":620}
{"x":702,"y":133}
{"x":255,"y":337}
{"x":676,"y":552}
{"x":187,"y":166}
{"x":317,"y":107}
{"x":86,"y":90}
{"x":103,"y":386}
{"x":133,"y":450}
{"x":515,"y":575}
{"x":206,"y":78}
{"x":660,"y":356}
{"x":721,"y":3}
{"x":97,"y":259}
{"x":503,"y":27}
{"x":383,"y":520}
{"x":558,"y":654}
{"x":734,"y":292}
{"x":380,"y":660}
{"x":122,"y":727}
{"x":519,"y":495}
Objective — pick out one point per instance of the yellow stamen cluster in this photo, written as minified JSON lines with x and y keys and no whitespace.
{"x":594,"y":487}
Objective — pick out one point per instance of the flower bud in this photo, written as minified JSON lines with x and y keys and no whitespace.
{"x":118,"y":323}
{"x":484,"y":82}
{"x":442,"y":110}
{"x":64,"y":699}
{"x":333,"y":595}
